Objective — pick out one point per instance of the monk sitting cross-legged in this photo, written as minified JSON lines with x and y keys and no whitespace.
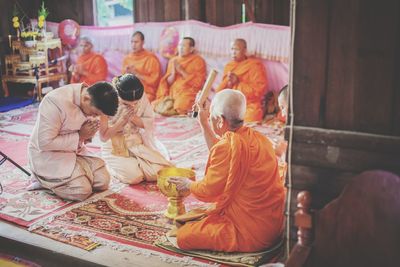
{"x":144,"y":65}
{"x":248,"y":75}
{"x":241,"y":179}
{"x":90,"y":66}
{"x":184,"y":78}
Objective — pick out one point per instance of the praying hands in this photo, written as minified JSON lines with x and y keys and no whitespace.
{"x":88,"y":129}
{"x":233,"y":79}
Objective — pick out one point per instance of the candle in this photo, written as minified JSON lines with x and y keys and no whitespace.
{"x":9,"y":40}
{"x":243,"y":12}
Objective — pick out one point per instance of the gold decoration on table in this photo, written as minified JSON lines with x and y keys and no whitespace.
{"x":175,"y":198}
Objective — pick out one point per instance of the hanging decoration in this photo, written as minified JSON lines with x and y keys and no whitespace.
{"x":169,"y":41}
{"x":69,"y":31}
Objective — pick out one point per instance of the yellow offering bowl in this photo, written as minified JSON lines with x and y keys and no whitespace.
{"x":175,"y":198}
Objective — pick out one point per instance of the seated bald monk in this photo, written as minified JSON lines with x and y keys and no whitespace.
{"x":248,"y":75}
{"x":57,"y":153}
{"x":184,"y":77}
{"x":241,"y":179}
{"x":90,"y":67}
{"x":144,"y":65}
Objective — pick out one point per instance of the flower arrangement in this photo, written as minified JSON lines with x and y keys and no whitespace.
{"x":29,"y":35}
{"x":15,"y":19}
{"x":42,"y":15}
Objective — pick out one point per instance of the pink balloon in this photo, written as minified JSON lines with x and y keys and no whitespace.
{"x":169,"y":40}
{"x":69,"y":31}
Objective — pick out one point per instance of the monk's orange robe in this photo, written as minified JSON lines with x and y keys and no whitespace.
{"x":242,"y":178}
{"x":252,"y":83}
{"x":184,"y":90}
{"x":148,"y":67}
{"x":95,"y":66}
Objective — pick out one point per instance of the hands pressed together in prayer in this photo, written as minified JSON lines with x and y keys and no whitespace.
{"x":77,"y":70}
{"x":178,"y":67}
{"x":133,"y":70}
{"x":127,"y":114}
{"x":233,"y":79}
{"x":88,"y":129}
{"x":182,"y":184}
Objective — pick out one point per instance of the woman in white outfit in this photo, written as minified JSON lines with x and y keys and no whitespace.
{"x":129,"y":147}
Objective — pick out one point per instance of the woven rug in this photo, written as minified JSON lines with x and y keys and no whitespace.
{"x":130,"y":221}
{"x":18,"y":205}
{"x":231,"y":258}
{"x":133,"y":217}
{"x":128,"y":218}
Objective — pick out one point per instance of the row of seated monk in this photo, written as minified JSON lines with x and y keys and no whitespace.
{"x":175,"y":92}
{"x":241,"y":180}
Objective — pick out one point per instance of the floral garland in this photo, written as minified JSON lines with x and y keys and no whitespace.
{"x":15,"y":19}
{"x":42,"y":15}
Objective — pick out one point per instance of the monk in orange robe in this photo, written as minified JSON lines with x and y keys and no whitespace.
{"x":247,"y":75}
{"x":242,"y":180}
{"x":90,"y":67}
{"x":144,"y":65}
{"x":184,"y":78}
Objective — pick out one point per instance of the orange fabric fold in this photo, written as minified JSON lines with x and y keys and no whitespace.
{"x":252,"y":83}
{"x":242,"y":178}
{"x":184,"y":89}
{"x":148,"y":66}
{"x":95,"y":65}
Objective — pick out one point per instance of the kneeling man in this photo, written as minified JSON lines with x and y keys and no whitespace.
{"x":56,"y":152}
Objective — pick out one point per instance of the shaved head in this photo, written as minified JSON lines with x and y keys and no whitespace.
{"x":85,"y":44}
{"x":238,"y":50}
{"x":231,"y":105}
{"x":138,"y":33}
{"x":241,"y":42}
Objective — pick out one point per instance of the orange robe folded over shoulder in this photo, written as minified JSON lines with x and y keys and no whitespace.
{"x":148,"y":66}
{"x":184,"y":89}
{"x":252,"y":83}
{"x":242,"y":178}
{"x":95,"y":66}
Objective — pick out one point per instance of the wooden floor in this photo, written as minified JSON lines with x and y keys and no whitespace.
{"x":19,"y":242}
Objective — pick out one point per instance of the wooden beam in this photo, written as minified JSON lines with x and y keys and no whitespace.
{"x":196,"y":9}
{"x":172,"y":10}
{"x":310,"y":59}
{"x":141,"y":11}
{"x":211,"y":14}
{"x":347,"y":139}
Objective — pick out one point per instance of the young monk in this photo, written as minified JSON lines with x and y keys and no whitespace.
{"x":241,"y":178}
{"x":144,"y":65}
{"x":184,"y":77}
{"x":90,"y":66}
{"x":247,"y":75}
{"x":130,"y":149}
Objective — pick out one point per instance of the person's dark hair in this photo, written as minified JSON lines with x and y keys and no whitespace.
{"x":104,"y":97}
{"x":191,"y":40}
{"x":140,"y":34}
{"x":129,"y":87}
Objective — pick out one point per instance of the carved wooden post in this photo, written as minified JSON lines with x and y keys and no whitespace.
{"x":303,"y":220}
